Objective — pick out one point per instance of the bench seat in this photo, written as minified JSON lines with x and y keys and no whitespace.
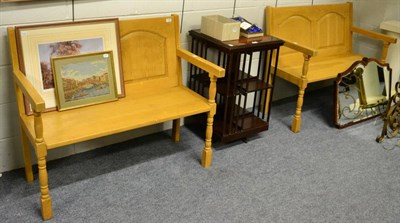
{"x":319,"y":68}
{"x":133,"y":111}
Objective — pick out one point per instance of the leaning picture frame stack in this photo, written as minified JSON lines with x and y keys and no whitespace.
{"x":38,"y":43}
{"x":84,"y":79}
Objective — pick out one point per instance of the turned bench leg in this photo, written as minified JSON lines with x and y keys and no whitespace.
{"x":176,"y":130}
{"x":45,"y":199}
{"x":296,"y":123}
{"x":26,"y":153}
{"x":207,"y":151}
{"x":41,"y":153}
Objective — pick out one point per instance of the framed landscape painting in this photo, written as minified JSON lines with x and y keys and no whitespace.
{"x":38,"y":43}
{"x":84,"y":79}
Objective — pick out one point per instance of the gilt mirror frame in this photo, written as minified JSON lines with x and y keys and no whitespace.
{"x":353,"y":80}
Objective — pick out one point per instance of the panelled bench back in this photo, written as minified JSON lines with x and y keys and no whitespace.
{"x":154,"y":93}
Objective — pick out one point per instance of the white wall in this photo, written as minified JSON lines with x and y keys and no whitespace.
{"x":367,"y":14}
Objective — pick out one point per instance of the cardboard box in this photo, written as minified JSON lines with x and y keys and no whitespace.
{"x":220,"y":27}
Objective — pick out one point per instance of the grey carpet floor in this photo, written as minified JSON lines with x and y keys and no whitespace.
{"x":321,"y":174}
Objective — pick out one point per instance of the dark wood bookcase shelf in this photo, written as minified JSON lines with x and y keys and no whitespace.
{"x":244,"y":94}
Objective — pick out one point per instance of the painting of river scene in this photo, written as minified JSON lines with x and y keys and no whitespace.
{"x":84,"y":79}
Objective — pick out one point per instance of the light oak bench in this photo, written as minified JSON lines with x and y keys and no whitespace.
{"x":318,"y":44}
{"x":154,"y":94}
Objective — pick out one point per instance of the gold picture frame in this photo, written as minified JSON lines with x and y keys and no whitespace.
{"x":84,"y":79}
{"x":38,"y":43}
{"x":15,"y":0}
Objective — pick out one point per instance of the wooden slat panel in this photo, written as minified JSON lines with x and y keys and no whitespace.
{"x":323,"y":27}
{"x":143,"y":45}
{"x":149,"y":52}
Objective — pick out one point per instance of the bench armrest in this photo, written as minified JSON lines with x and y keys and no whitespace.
{"x":201,"y":63}
{"x":23,"y":84}
{"x":30,"y":93}
{"x":214,"y":72}
{"x":387,"y":40}
{"x":299,"y":47}
{"x":308,"y":52}
{"x":374,"y":35}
